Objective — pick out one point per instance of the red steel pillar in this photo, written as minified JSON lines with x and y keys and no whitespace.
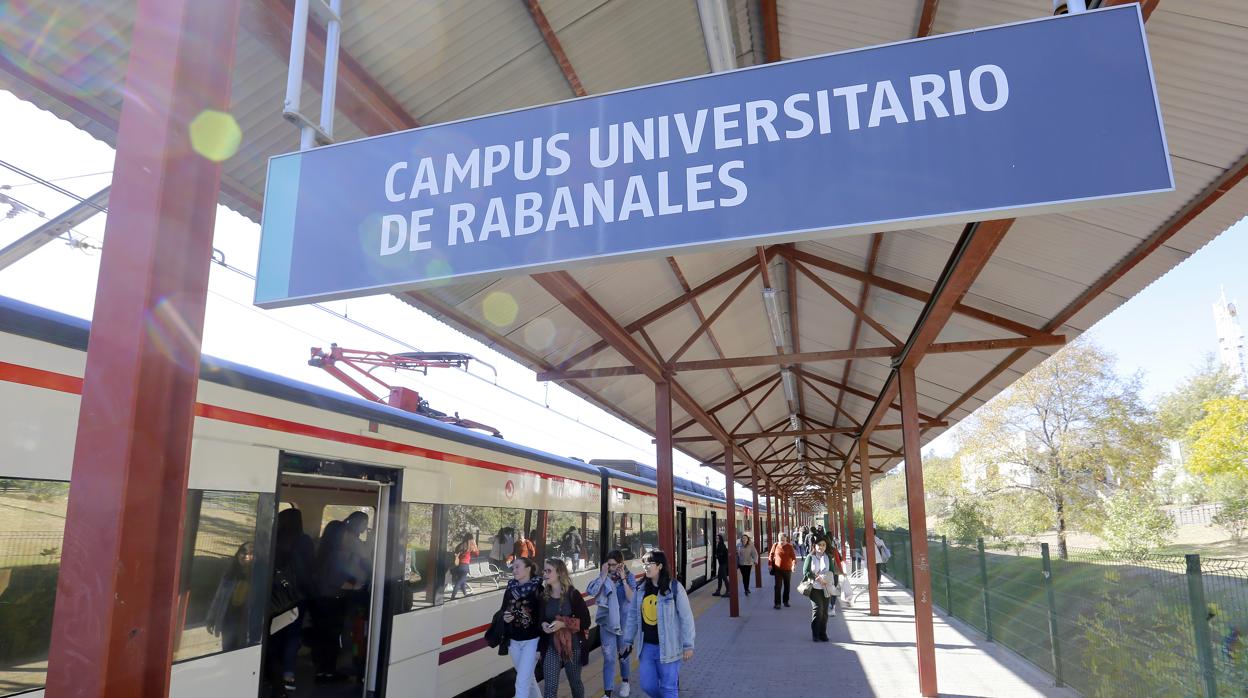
{"x":868,"y":523}
{"x":924,"y":638}
{"x":849,"y":532}
{"x":113,"y":628}
{"x":730,"y":497}
{"x":663,"y":439}
{"x":758,"y":541}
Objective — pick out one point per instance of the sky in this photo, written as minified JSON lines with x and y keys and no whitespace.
{"x":1163,"y":333}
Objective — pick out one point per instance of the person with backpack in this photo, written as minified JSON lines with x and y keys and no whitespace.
{"x":570,"y":544}
{"x":781,"y":559}
{"x":661,"y":623}
{"x":464,"y":552}
{"x":613,"y":592}
{"x":882,"y":555}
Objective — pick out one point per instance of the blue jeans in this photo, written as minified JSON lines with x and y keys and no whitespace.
{"x":610,"y":657}
{"x":658,"y":680}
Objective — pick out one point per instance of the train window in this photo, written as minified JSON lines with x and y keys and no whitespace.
{"x":221,"y":599}
{"x":32,"y":526}
{"x":649,"y":533}
{"x":698,"y":532}
{"x":424,"y":533}
{"x":626,"y":535}
{"x":573,"y":537}
{"x":481,"y":542}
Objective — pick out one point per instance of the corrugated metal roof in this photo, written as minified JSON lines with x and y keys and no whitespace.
{"x":451,"y":59}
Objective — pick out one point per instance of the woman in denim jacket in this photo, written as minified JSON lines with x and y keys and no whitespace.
{"x":613,"y":594}
{"x":661,"y":622}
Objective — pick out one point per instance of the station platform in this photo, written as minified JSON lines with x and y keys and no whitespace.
{"x":766,"y":652}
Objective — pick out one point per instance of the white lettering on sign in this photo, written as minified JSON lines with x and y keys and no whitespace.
{"x":695,"y":187}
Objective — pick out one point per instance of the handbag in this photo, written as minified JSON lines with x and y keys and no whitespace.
{"x":805,"y":587}
{"x":285,"y":594}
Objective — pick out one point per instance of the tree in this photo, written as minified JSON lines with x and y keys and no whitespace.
{"x":1232,"y":493}
{"x":1179,"y":409}
{"x":1218,"y":442}
{"x":1070,"y":430}
{"x":1134,"y":524}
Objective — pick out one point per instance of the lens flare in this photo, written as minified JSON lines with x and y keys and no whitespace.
{"x":172,"y":335}
{"x":540,"y":334}
{"x":500,"y":308}
{"x":215,"y":135}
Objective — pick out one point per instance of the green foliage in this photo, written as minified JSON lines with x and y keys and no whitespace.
{"x":1232,"y":493}
{"x":1134,"y":524}
{"x":1179,"y":409}
{"x":1124,"y":618}
{"x":1218,"y":442}
{"x":890,"y":518}
{"x":968,"y":520}
{"x":1019,"y":513}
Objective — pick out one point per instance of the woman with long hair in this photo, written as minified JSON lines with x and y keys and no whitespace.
{"x":662,"y":624}
{"x":747,"y":557}
{"x":227,"y":614}
{"x":613,"y":594}
{"x":334,"y":574}
{"x":464,"y":552}
{"x":522,"y":608}
{"x":721,"y":565}
{"x":565,"y":624}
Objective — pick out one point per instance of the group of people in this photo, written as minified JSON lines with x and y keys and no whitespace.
{"x":329,"y":583}
{"x":545,"y":622}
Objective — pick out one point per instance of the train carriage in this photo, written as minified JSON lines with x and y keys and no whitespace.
{"x":437,"y":511}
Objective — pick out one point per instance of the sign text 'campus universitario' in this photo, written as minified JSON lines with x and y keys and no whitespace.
{"x":1016,"y":119}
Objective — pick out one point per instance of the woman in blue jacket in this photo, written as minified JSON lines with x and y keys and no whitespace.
{"x":613,"y":594}
{"x":661,"y":622}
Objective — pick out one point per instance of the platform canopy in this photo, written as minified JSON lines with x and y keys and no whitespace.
{"x":842,"y":308}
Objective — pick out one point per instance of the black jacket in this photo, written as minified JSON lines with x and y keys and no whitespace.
{"x":496,"y":635}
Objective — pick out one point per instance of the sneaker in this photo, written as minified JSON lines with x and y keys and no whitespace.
{"x":777,"y":607}
{"x":786,"y":604}
{"x":624,"y":689}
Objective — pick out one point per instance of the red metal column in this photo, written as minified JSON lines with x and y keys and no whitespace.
{"x":924,"y":639}
{"x":663,"y":439}
{"x":730,"y":497}
{"x":114,"y":623}
{"x":758,"y":532}
{"x":868,"y":523}
{"x":849,"y":504}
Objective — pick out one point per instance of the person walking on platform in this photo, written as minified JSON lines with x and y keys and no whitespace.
{"x":747,"y":557}
{"x":818,"y":569}
{"x":613,"y":594}
{"x":721,"y":565}
{"x":522,"y":608}
{"x":781,"y":559}
{"x":882,"y":555}
{"x":661,"y":622}
{"x":565,"y":624}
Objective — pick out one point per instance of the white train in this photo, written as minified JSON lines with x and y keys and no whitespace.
{"x":262,"y":444}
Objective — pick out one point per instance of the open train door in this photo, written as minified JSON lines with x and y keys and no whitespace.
{"x":682,"y":547}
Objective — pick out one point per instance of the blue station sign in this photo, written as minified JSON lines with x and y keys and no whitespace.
{"x":1023,"y":118}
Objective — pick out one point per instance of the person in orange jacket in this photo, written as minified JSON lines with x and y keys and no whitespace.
{"x":781,"y":558}
{"x":524,"y":547}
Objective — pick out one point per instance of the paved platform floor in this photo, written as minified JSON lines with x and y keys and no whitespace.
{"x":767,"y":652}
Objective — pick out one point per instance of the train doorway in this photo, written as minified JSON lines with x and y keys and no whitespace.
{"x":332,"y":561}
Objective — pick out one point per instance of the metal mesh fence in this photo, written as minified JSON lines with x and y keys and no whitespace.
{"x":1105,"y":623}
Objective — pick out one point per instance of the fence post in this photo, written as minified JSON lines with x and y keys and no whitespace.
{"x":944,"y":547}
{"x":1200,"y":625}
{"x":905,"y":545}
{"x":983,"y":578}
{"x":1054,"y":645}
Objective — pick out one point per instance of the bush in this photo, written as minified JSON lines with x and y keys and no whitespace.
{"x":966,"y":523}
{"x":1134,"y":524}
{"x":1231,"y":492}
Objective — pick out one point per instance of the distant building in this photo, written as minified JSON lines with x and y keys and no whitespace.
{"x":976,"y":471}
{"x":1230,"y":339}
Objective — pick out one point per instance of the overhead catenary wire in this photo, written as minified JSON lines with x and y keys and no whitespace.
{"x":218,"y":257}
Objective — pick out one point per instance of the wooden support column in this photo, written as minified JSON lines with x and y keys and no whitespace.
{"x":730,"y":497}
{"x":663,"y":461}
{"x":921,"y":570}
{"x":115,"y":619}
{"x":868,"y":524}
{"x":849,"y":508}
{"x":757,"y":541}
